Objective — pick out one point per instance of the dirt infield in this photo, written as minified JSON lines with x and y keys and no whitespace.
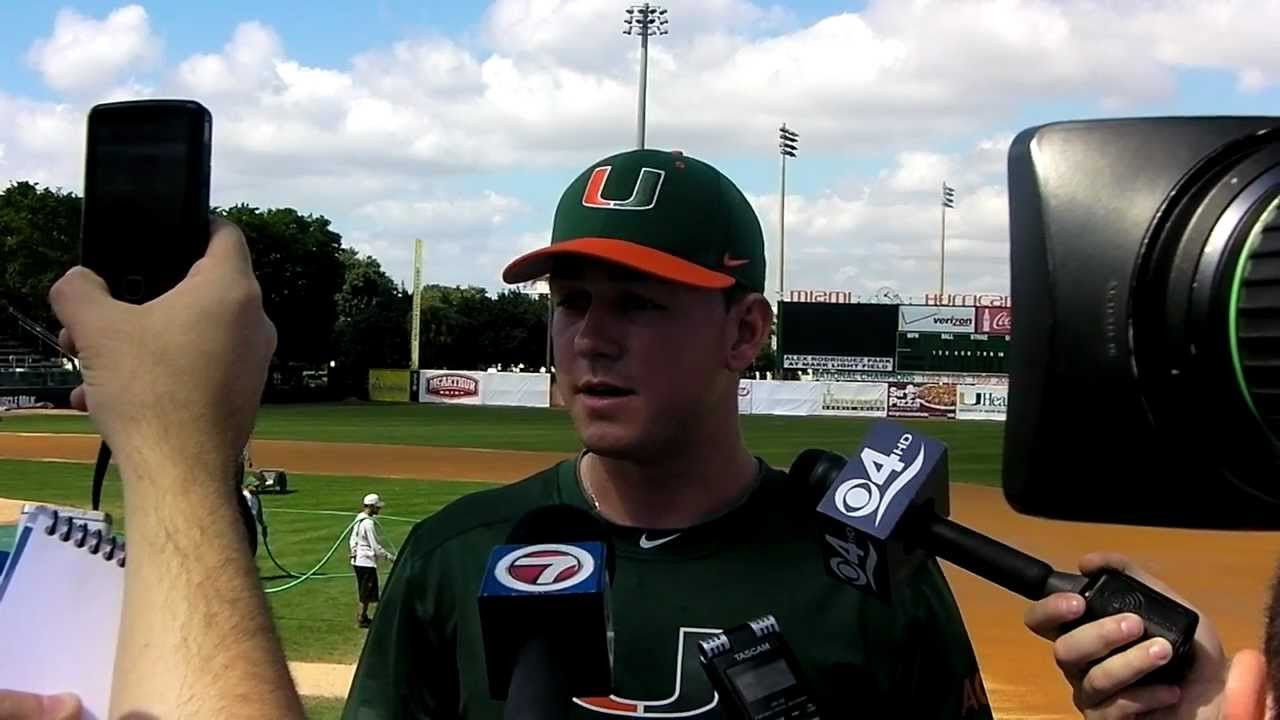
{"x":393,"y":461}
{"x":322,"y":679}
{"x":10,"y":511}
{"x":1224,"y":574}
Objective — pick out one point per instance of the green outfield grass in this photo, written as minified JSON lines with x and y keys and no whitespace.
{"x":318,"y":708}
{"x":317,"y":618}
{"x":975,"y":446}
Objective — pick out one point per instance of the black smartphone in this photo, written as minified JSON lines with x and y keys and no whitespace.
{"x":145,"y":219}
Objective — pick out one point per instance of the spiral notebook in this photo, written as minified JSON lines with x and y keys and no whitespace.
{"x":61,"y":595}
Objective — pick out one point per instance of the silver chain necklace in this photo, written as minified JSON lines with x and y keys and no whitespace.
{"x":742,"y":497}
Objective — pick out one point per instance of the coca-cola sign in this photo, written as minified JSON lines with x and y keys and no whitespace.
{"x":995,"y":320}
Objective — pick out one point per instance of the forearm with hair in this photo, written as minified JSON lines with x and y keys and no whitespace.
{"x":197,"y":639}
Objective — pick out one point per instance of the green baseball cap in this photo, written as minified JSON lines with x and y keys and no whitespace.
{"x":660,"y":212}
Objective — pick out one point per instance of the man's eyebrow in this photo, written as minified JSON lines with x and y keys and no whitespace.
{"x":570,"y":269}
{"x":621,"y":274}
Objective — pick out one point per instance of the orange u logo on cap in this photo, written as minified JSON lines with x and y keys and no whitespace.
{"x":643,"y":196}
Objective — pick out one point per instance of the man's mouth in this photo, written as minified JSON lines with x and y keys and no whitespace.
{"x":603,"y":389}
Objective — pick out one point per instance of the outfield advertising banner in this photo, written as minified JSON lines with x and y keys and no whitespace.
{"x":855,"y":399}
{"x":449,"y":387}
{"x":935,"y":319}
{"x":970,"y":401}
{"x":922,"y":400}
{"x":387,"y":385}
{"x":519,"y":389}
{"x":780,"y":397}
{"x":18,"y":398}
{"x":995,"y":320}
{"x":981,"y":402}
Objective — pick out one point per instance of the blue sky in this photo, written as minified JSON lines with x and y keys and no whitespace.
{"x":460,"y":123}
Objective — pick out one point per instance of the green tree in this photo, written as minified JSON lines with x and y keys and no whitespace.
{"x":464,"y":328}
{"x":373,"y":324}
{"x":39,"y":241}
{"x":767,"y":360}
{"x":296,"y":259}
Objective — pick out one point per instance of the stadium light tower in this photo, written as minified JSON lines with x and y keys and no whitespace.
{"x":948,"y":201}
{"x":787,"y":140}
{"x":644,"y":20}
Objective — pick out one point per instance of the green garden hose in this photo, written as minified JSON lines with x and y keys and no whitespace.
{"x":312,"y":573}
{"x":293,"y":574}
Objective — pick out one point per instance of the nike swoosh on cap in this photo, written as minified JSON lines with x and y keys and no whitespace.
{"x":648,"y":544}
{"x":734,"y":262}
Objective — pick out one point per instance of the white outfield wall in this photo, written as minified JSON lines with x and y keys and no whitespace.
{"x":755,"y":397}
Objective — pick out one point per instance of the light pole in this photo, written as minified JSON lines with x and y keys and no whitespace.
{"x":787,"y":139}
{"x":948,"y":201}
{"x":644,"y":20}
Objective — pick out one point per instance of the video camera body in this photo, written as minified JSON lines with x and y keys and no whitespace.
{"x":1145,"y":370}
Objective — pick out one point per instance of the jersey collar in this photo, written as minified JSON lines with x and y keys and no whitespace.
{"x":651,"y":544}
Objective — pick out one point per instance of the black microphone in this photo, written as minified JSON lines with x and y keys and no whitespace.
{"x":886,"y":510}
{"x":544,"y":613}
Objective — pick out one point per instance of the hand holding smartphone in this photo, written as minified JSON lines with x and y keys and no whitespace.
{"x":145,"y":220}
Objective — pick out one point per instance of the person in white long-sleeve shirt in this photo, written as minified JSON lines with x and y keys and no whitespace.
{"x":366,"y":549}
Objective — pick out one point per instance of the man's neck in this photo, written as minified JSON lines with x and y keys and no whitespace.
{"x":676,"y":493}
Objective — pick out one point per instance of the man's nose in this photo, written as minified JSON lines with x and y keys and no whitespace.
{"x":598,"y":334}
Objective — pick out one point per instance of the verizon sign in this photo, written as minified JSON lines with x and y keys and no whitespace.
{"x":935,"y":319}
{"x":995,"y":320}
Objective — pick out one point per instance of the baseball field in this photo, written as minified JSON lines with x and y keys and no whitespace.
{"x":420,"y":457}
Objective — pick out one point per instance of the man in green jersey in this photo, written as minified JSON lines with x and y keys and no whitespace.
{"x":657,"y":268}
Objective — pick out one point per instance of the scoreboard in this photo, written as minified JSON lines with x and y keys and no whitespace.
{"x":837,"y":336}
{"x":951,"y":352}
{"x":886,"y":338}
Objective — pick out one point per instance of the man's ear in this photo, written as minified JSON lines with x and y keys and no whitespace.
{"x":752,"y":321}
{"x":1245,"y":695}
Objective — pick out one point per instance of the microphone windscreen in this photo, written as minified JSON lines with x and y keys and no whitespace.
{"x":562,"y":523}
{"x":815,"y":469}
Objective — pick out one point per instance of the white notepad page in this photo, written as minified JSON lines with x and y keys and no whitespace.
{"x":59,"y":617}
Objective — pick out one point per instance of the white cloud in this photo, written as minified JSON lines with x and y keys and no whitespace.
{"x":550,"y":84}
{"x":443,"y":215}
{"x":85,"y":55}
{"x":889,"y":233}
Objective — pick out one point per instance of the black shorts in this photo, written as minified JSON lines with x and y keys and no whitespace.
{"x":366,"y":583}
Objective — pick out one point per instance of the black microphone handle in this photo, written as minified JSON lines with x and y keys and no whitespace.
{"x":539,"y":689}
{"x":986,"y":557}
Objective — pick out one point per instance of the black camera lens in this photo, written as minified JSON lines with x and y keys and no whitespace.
{"x":1206,"y":331}
{"x":1253,"y":301}
{"x":1145,"y":257}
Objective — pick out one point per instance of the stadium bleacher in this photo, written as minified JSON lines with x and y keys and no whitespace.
{"x":33,"y":370}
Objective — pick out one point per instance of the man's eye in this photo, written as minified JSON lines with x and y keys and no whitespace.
{"x":639,"y":302}
{"x":574,"y":301}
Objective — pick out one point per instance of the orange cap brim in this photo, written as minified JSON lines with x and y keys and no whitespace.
{"x":536,"y":264}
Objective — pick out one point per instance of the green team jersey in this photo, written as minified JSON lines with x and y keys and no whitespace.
{"x":862,"y":657}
